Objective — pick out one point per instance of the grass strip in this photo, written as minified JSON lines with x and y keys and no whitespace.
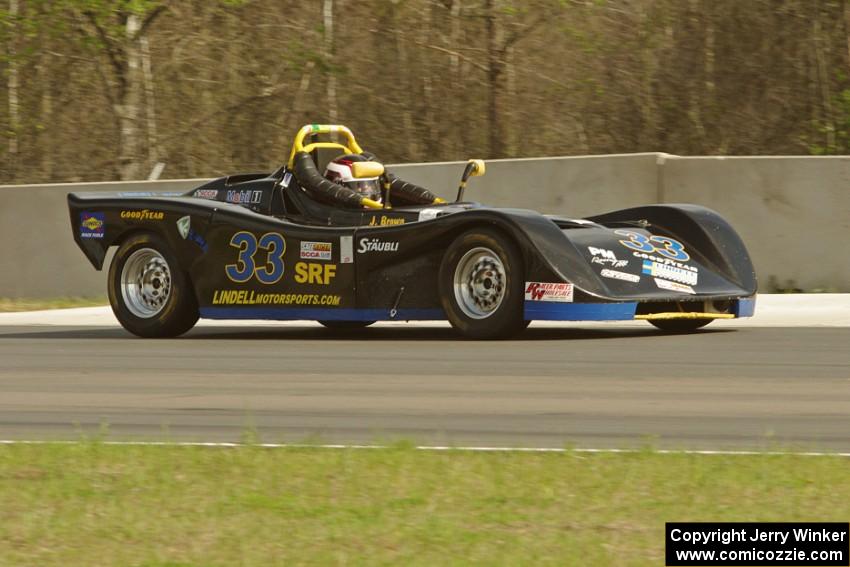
{"x":97,"y":504}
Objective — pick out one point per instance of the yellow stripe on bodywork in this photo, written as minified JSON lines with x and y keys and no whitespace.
{"x":677,"y":315}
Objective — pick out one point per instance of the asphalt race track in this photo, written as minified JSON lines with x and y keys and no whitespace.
{"x":744,"y":388}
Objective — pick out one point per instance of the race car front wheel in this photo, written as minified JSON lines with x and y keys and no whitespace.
{"x":481,"y":283}
{"x":150,"y":295}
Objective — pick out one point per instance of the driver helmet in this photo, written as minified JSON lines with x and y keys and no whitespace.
{"x":339,"y":171}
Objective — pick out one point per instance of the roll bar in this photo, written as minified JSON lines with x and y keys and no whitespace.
{"x":298,"y":144}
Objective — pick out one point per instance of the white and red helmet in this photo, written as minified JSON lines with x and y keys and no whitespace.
{"x":340,"y":172}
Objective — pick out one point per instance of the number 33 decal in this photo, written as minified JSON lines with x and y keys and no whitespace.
{"x":661,"y":245}
{"x":270,"y":269}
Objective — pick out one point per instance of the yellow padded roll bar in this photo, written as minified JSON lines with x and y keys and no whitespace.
{"x":366,"y":169}
{"x":298,"y":144}
{"x":370,"y":204}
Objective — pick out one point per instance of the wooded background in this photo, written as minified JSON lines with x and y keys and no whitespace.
{"x":106,"y":89}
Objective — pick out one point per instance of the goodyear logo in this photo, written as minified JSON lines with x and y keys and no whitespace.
{"x":144,"y":214}
{"x":92,"y":225}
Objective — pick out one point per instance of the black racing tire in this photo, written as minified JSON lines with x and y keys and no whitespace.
{"x":680,"y":325}
{"x":164,"y":305}
{"x":481,"y":285}
{"x":345,"y":325}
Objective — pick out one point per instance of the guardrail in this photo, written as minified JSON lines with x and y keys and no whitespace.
{"x":793,"y":212}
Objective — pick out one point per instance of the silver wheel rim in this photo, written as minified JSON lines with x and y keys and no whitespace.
{"x":145,"y":283}
{"x":480,"y":282}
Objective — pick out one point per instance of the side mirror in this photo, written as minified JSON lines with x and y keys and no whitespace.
{"x":478,"y":167}
{"x":474,"y":168}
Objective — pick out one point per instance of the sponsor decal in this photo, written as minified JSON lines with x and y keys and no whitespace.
{"x":674,"y":286}
{"x":206,"y":193}
{"x":287,"y":177}
{"x":346,"y":249}
{"x":650,"y":244}
{"x":92,"y":225}
{"x":244,"y":197}
{"x":665,"y":261}
{"x":375,"y":245}
{"x":144,"y":214}
{"x":606,"y":257}
{"x":183,"y":226}
{"x":309,"y":273}
{"x":615,"y":275}
{"x":198,"y":239}
{"x":316,"y":250}
{"x":668,"y":272}
{"x":385,"y":221}
{"x":557,"y":292}
{"x":250,"y":297}
{"x":428,"y":214}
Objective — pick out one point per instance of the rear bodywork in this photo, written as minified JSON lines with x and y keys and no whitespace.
{"x":255,"y":247}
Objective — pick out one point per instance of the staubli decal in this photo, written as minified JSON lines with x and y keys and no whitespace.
{"x":250,"y":297}
{"x":144,"y":214}
{"x":375,"y":245}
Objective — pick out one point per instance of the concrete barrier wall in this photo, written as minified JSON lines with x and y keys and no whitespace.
{"x":793,"y":213}
{"x":39,"y":257}
{"x":573,"y":186}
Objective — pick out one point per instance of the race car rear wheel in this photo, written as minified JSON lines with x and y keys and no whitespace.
{"x":150,"y":295}
{"x":680,"y":325}
{"x":481,"y":283}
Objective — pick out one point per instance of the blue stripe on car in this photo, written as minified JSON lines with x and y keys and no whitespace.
{"x":553,"y":311}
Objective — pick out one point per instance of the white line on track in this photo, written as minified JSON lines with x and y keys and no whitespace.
{"x":429,"y":448}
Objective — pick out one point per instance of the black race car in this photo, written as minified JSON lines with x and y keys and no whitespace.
{"x":293,"y":245}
